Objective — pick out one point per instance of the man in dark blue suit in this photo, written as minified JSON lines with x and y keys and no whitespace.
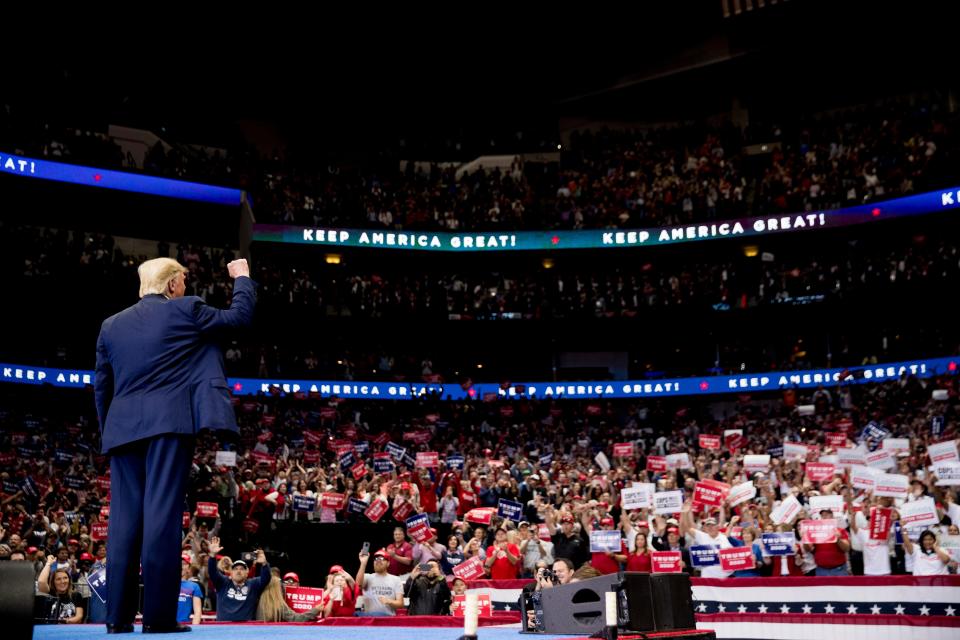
{"x":159,"y":380}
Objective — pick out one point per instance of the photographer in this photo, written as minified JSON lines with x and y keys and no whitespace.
{"x":428,"y":591}
{"x":560,"y":574}
{"x":237,"y":596}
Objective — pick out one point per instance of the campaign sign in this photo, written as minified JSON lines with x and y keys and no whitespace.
{"x":936,"y":426}
{"x":704,"y":555}
{"x":304,"y":503}
{"x":897,"y":445}
{"x":347,"y":460}
{"x":637,"y":497}
{"x":226,"y":459}
{"x":778,"y":544}
{"x":543,"y":532}
{"x":741,"y":493}
{"x":395,"y":450}
{"x":480,"y":515}
{"x":919,"y":513}
{"x":330,"y":500}
{"x":74,"y":482}
{"x":943,"y":452}
{"x":103,"y":483}
{"x":98,"y":583}
{"x":679,"y":461}
{"x":733,"y":438}
{"x":403,"y":510}
{"x":418,"y":527}
{"x":850,"y":457}
{"x":376,"y":510}
{"x":623,"y":450}
{"x":667,"y":502}
{"x":382,"y":463}
{"x":818,"y":531}
{"x":819,"y":471}
{"x":428,"y":460}
{"x":381,"y":438}
{"x":303,"y":599}
{"x":471,"y":569}
{"x":510,"y":510}
{"x":455,"y":461}
{"x":98,"y":531}
{"x":545,"y":460}
{"x":602,"y":461}
{"x":775,"y":452}
{"x":786,"y":511}
{"x":312,"y":437}
{"x":893,"y":485}
{"x":656,"y":463}
{"x":358,"y":470}
{"x":881,"y":459}
{"x":708,"y":441}
{"x":311,"y":457}
{"x":737,"y":559}
{"x":836,"y":439}
{"x":459,"y":605}
{"x":409,"y":460}
{"x":357,"y":506}
{"x":362,"y":447}
{"x":666,"y":561}
{"x":880,"y":520}
{"x":207,"y":510}
{"x":795,"y":451}
{"x":951,"y":544}
{"x":874,"y":432}
{"x":755,"y":463}
{"x":833,"y":502}
{"x":602,"y":541}
{"x":947,"y":473}
{"x":710,"y":492}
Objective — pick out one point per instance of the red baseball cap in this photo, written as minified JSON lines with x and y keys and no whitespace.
{"x":335,"y":569}
{"x":606,"y":521}
{"x":291,"y":576}
{"x":566,"y":518}
{"x":184,"y":558}
{"x":382,"y":553}
{"x":673,"y":530}
{"x":86,"y":556}
{"x":31,"y":549}
{"x":404,"y":486}
{"x":73,"y":541}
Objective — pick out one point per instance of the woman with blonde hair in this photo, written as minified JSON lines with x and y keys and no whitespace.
{"x":274,"y":608}
{"x":66,"y":605}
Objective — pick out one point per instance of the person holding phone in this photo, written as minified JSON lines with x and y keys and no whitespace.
{"x":340,"y":594}
{"x":382,"y":591}
{"x":428,"y":590}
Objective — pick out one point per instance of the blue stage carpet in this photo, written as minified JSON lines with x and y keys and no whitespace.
{"x":286,"y":632}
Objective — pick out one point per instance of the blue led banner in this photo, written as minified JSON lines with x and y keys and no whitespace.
{"x":118,"y":180}
{"x":771,"y":381}
{"x":919,"y":204}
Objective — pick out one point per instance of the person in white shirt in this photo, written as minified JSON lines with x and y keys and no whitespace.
{"x":928,"y":558}
{"x":876,"y":553}
{"x":708,"y":535}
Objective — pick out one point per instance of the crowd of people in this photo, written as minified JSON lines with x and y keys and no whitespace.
{"x":297,"y":466}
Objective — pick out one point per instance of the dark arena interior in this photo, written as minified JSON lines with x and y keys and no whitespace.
{"x":624,"y":322}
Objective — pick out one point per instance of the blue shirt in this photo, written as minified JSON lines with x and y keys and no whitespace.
{"x":237,"y":604}
{"x":185,"y":603}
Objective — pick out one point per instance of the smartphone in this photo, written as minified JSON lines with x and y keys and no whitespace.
{"x":424,"y":566}
{"x":249,"y":557}
{"x":366,"y":548}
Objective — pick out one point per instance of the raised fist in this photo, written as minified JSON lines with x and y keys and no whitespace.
{"x":238,"y":268}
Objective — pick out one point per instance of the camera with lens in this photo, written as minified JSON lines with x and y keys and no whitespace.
{"x":550,"y":574}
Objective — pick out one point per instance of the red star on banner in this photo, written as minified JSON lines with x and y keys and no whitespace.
{"x":952,"y":366}
{"x":237,"y":387}
{"x":555,"y":239}
{"x":704,"y":385}
{"x":96,"y":177}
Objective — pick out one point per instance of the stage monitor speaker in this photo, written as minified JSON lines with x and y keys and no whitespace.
{"x":16,"y":600}
{"x":672,"y":601}
{"x":579,"y":607}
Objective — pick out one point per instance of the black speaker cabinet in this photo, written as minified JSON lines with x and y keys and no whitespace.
{"x":659,"y":602}
{"x":16,"y":600}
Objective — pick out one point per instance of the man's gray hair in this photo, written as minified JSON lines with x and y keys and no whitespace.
{"x":156,"y":274}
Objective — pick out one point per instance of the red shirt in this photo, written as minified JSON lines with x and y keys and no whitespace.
{"x":502,"y":568}
{"x":404,"y":549}
{"x":604,"y":563}
{"x":468,"y":500}
{"x":828,"y":555}
{"x":428,"y":497}
{"x":342,"y":608}
{"x":639,"y":562}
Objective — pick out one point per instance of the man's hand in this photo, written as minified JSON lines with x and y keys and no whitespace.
{"x":214,"y":545}
{"x":238,"y":268}
{"x":261,"y":556}
{"x":51,"y":560}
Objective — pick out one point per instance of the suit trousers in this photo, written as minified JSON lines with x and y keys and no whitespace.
{"x":148,"y":482}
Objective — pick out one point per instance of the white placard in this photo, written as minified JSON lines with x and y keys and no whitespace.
{"x":226,"y":459}
{"x":851,"y":457}
{"x":951,"y":544}
{"x":948,"y":473}
{"x":795,"y":451}
{"x":754,"y":463}
{"x":667,"y":502}
{"x":637,"y":497}
{"x":919,"y":513}
{"x":833,"y":459}
{"x":862,"y":477}
{"x":741,"y":493}
{"x":679,"y":461}
{"x":819,"y":503}
{"x":602,"y":461}
{"x":786,"y":510}
{"x":897,"y":445}
{"x":881,"y":459}
{"x":892,"y":485}
{"x":943,"y":452}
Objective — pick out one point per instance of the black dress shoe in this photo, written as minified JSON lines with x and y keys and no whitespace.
{"x":119,"y":628}
{"x":165,"y":628}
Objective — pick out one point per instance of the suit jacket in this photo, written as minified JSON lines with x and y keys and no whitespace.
{"x":160,"y":370}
